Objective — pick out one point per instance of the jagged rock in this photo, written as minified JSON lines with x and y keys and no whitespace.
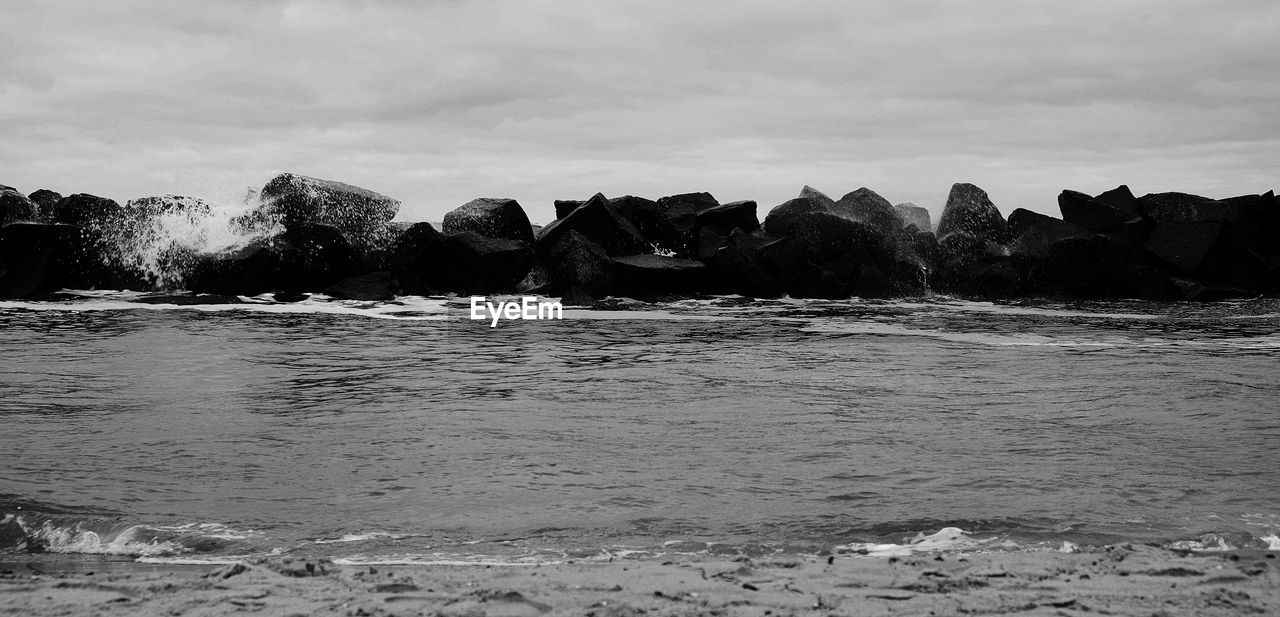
{"x":577,"y":263}
{"x":565,"y":206}
{"x":647,"y":276}
{"x":360,"y":214}
{"x":16,"y":207}
{"x":808,"y":192}
{"x":37,"y":259}
{"x":1093,"y":266}
{"x":86,"y":210}
{"x":643,"y":214}
{"x":970,"y":210}
{"x":737,"y":267}
{"x":1035,"y":233}
{"x":781,"y":219}
{"x":914,"y":215}
{"x":1187,"y":229}
{"x":988,"y":276}
{"x":1092,"y":214}
{"x":739,"y":214}
{"x":501,"y":219}
{"x":46,"y":200}
{"x":305,"y":258}
{"x":866,"y":206}
{"x":821,"y":236}
{"x":371,"y":286}
{"x":426,"y":262}
{"x":678,"y":228}
{"x":599,"y":223}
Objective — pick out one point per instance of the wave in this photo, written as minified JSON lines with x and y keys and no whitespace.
{"x":415,"y":308}
{"x":71,"y":534}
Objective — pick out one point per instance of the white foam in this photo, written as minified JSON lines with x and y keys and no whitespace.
{"x":984,"y":338}
{"x":361,"y":537}
{"x":442,"y":561}
{"x":413,"y":308}
{"x":81,"y":541}
{"x":945,"y":539}
{"x":1006,"y":309}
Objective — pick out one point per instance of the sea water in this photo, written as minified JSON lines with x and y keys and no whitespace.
{"x":405,"y":432}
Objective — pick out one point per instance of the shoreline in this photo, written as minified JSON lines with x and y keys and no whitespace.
{"x":1120,"y":580}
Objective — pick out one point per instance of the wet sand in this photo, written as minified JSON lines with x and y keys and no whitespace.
{"x":1123,"y":580}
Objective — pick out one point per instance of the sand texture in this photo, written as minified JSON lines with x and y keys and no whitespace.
{"x":1124,"y":580}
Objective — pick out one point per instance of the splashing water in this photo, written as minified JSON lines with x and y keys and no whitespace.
{"x":162,"y":238}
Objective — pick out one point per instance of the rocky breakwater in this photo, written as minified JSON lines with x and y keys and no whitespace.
{"x":306,"y":235}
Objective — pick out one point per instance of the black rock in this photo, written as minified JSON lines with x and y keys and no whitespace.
{"x":735,"y":214}
{"x":970,"y":210}
{"x":1184,"y":208}
{"x":371,"y":286}
{"x":1186,"y":245}
{"x":866,"y":206}
{"x":360,"y":214}
{"x":1093,"y":266}
{"x":649,"y":276}
{"x":501,"y":219}
{"x":808,"y":192}
{"x":16,"y":207}
{"x":738,"y":267}
{"x":565,"y":206}
{"x":37,"y":259}
{"x":577,"y":263}
{"x":914,"y":215}
{"x":1035,"y":233}
{"x":86,"y":210}
{"x":1092,"y":214}
{"x":678,"y":228}
{"x":46,"y":200}
{"x":599,"y":223}
{"x":305,"y":258}
{"x":426,"y":262}
{"x":821,"y":237}
{"x":781,"y":219}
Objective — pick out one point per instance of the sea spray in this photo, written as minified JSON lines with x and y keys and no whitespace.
{"x":162,"y":238}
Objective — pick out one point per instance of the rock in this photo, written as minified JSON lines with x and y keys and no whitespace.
{"x":980,"y":275}
{"x":818,"y":197}
{"x":145,"y":239}
{"x":678,"y":229}
{"x":1184,"y":208}
{"x":781,"y":219}
{"x":645,"y":215}
{"x":1034,"y":232}
{"x":648,"y":276}
{"x":305,"y":258}
{"x":372,"y":286}
{"x":737,"y":267}
{"x":821,"y":237}
{"x":577,"y":263}
{"x":1091,"y":214}
{"x":190,"y":208}
{"x":426,"y":262}
{"x":1092,"y":266}
{"x":37,"y":259}
{"x":599,"y":223}
{"x":16,"y":207}
{"x":46,"y":200}
{"x":865,"y":206}
{"x":360,"y":214}
{"x":1185,"y":245}
{"x":970,"y":210}
{"x":799,"y":276}
{"x":86,"y":210}
{"x":501,"y":219}
{"x":914,"y":215}
{"x":735,"y":214}
{"x":565,"y":206}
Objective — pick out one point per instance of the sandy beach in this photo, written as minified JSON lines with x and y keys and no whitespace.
{"x":1122,"y":580}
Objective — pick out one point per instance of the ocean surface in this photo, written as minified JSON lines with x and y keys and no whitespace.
{"x":404,"y":432}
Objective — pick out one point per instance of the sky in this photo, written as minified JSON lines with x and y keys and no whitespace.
{"x":437,"y":102}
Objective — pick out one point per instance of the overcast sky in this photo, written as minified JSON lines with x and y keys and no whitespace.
{"x":435,"y":103}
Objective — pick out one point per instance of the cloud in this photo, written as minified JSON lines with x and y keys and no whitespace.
{"x":438,"y":102}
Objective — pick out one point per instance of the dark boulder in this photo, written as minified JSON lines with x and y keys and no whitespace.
{"x":800,"y":277}
{"x":1092,"y":214}
{"x":16,"y":207}
{"x":1091,"y":266}
{"x":426,"y":262}
{"x":38,"y":259}
{"x":808,"y":192}
{"x":305,"y":258}
{"x":501,"y":219}
{"x":970,"y":210}
{"x":360,"y":214}
{"x":644,"y":215}
{"x":565,"y":206}
{"x":1034,"y":233}
{"x":577,"y":263}
{"x":678,"y":230}
{"x":735,"y":214}
{"x":599,"y":223}
{"x":781,"y":219}
{"x":1188,"y":230}
{"x":914,"y":215}
{"x":821,"y":237}
{"x":369,"y":287}
{"x":866,"y":206}
{"x":737,"y":267}
{"x":46,"y":200}
{"x":650,"y":276}
{"x":979,"y":275}
{"x":84,"y":210}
